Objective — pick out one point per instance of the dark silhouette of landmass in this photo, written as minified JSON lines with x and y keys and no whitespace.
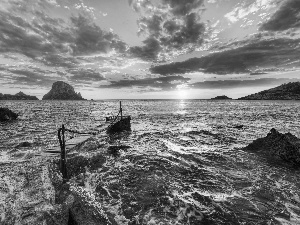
{"x":18,"y":96}
{"x":289,"y":91}
{"x":221,"y":97}
{"x":62,"y":91}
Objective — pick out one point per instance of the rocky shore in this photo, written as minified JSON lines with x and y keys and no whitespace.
{"x":7,"y":115}
{"x":285,"y":147}
{"x":33,"y":192}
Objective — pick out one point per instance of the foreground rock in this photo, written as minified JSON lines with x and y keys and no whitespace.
{"x":62,"y":91}
{"x":24,"y":144}
{"x":289,"y":91}
{"x":7,"y":115}
{"x":18,"y":96}
{"x":275,"y":144}
{"x":222,"y":97}
{"x":32,"y":190}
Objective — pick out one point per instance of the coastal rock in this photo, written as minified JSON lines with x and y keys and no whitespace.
{"x":62,"y":91}
{"x":7,"y":115}
{"x":18,"y":96}
{"x":24,"y":144}
{"x":238,"y":126}
{"x":282,"y":146}
{"x":289,"y":91}
{"x":221,"y":97}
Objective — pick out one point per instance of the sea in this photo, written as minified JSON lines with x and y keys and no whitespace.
{"x":183,"y":160}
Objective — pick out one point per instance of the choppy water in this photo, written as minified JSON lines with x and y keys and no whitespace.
{"x":184,"y":165}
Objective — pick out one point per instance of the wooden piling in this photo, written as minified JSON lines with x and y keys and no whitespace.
{"x":62,"y":142}
{"x":121,"y":110}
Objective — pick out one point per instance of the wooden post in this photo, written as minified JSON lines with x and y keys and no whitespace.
{"x":62,"y":142}
{"x":121,"y":109}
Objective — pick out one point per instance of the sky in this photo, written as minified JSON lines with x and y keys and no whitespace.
{"x":142,"y":49}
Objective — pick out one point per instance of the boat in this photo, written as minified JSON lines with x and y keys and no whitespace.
{"x":118,"y":123}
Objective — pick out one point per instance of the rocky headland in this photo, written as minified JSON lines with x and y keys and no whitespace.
{"x":62,"y":91}
{"x":18,"y":96}
{"x":221,"y":97}
{"x":289,"y":91}
{"x":7,"y":115}
{"x":281,"y":146}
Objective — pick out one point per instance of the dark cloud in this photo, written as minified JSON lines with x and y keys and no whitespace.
{"x":90,"y":38}
{"x":38,"y":76}
{"x":87,"y":75}
{"x":171,"y":27}
{"x":55,"y":30}
{"x":175,"y":25}
{"x":287,"y":16}
{"x":14,"y":37}
{"x":31,"y":78}
{"x":229,"y":84}
{"x":152,"y":25}
{"x":190,"y":33}
{"x":59,"y":61}
{"x":164,"y":83}
{"x":264,"y":54}
{"x":149,"y":51}
{"x":182,"y":8}
{"x":52,"y":41}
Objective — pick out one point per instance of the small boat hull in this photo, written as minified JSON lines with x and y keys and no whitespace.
{"x":120,"y":125}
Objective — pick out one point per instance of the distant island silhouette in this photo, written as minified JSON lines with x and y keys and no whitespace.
{"x":289,"y":91}
{"x":221,"y":97}
{"x":62,"y":91}
{"x":19,"y":96}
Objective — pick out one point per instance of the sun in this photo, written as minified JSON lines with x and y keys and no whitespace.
{"x":182,"y":94}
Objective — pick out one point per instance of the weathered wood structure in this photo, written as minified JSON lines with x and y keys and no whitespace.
{"x":116,"y":124}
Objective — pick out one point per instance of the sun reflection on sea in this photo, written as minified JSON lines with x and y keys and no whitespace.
{"x":181,"y":107}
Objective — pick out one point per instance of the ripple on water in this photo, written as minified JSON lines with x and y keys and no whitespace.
{"x":184,"y":164}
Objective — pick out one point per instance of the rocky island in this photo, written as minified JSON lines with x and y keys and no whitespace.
{"x":221,"y":97}
{"x":62,"y":91}
{"x":18,"y":96}
{"x":289,"y":91}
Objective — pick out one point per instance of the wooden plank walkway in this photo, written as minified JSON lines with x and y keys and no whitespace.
{"x":56,"y":151}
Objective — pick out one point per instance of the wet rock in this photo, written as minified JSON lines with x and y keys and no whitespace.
{"x":238,"y":126}
{"x":24,"y":144}
{"x":114,"y":149}
{"x":118,"y":147}
{"x":78,"y":164}
{"x":282,"y":146}
{"x":205,"y":132}
{"x":91,"y":144}
{"x":84,"y":210}
{"x":7,"y":115}
{"x":284,"y":214}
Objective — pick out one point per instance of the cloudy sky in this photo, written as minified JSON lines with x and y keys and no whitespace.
{"x":149,"y":48}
